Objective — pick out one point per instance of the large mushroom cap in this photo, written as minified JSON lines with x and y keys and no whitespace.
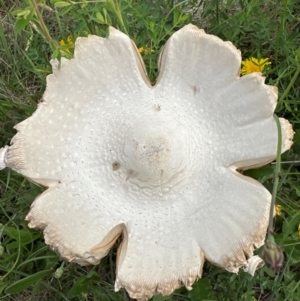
{"x":155,"y":164}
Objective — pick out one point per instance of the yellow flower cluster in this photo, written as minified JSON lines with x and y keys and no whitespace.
{"x":278,"y":209}
{"x":144,"y":51}
{"x":67,"y":45}
{"x":254,"y":65}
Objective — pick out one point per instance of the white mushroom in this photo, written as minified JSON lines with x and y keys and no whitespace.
{"x":155,"y":164}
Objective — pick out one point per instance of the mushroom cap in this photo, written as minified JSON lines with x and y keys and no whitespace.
{"x":155,"y":164}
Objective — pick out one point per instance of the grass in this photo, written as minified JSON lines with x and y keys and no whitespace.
{"x":30,"y":32}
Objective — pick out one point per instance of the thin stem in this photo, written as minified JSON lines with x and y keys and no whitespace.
{"x":288,"y":162}
{"x":277,"y":171}
{"x":43,"y":25}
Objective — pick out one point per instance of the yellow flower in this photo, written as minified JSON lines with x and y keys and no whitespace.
{"x":144,"y":51}
{"x":278,"y":209}
{"x":70,"y":41}
{"x":298,"y":232}
{"x":141,"y":50}
{"x":67,"y":45}
{"x":254,"y":65}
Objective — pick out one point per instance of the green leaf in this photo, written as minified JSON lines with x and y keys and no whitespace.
{"x":93,"y":276}
{"x":65,"y":10}
{"x":38,"y":287}
{"x":26,"y":282}
{"x":26,"y":236}
{"x":151,"y":35}
{"x":21,"y":12}
{"x":202,"y":291}
{"x":2,"y":287}
{"x":261,"y":174}
{"x":106,"y":16}
{"x":100,"y":18}
{"x":20,"y":24}
{"x":79,"y":287}
{"x":62,"y":4}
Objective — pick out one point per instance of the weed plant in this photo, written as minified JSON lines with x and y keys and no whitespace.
{"x":30,"y":35}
